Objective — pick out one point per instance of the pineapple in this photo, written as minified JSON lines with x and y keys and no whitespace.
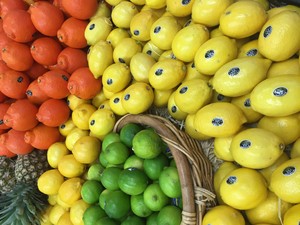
{"x":21,"y":203}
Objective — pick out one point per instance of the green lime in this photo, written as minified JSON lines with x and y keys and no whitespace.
{"x":106,"y":221}
{"x":135,"y":162}
{"x":128,"y":131}
{"x":155,"y":199}
{"x":91,"y":190}
{"x":133,"y":220}
{"x":169,"y":182}
{"x":173,"y":163}
{"x":103,"y":198}
{"x":147,"y":144}
{"x":92,"y":214}
{"x":109,"y":178}
{"x":117,"y":204}
{"x":133,"y":181}
{"x":116,"y":153}
{"x":94,"y":172}
{"x":169,"y":215}
{"x":152,"y":219}
{"x":110,"y":138}
{"x":153,"y":167}
{"x":102,"y":159}
{"x":138,"y":206}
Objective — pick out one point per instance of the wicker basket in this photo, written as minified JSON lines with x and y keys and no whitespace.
{"x":194,"y":168}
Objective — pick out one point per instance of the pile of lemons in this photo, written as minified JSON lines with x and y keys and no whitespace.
{"x":229,"y":69}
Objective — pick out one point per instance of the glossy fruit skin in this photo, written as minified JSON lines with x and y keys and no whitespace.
{"x":46,"y":17}
{"x":4,"y":150}
{"x":18,"y":26}
{"x":3,"y":40}
{"x":35,"y":94}
{"x":80,"y":9}
{"x":36,"y":70}
{"x":8,"y":5}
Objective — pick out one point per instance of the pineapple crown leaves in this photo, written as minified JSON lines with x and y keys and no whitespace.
{"x":24,"y":205}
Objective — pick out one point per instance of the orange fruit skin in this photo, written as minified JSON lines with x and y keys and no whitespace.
{"x":3,"y":149}
{"x":35,"y":94}
{"x":80,"y":9}
{"x":36,"y":70}
{"x":3,"y":66}
{"x":9,"y":5}
{"x":3,"y":40}
{"x":3,"y":109}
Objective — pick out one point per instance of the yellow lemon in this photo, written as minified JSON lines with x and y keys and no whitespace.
{"x":122,"y":14}
{"x":116,"y":35}
{"x":214,"y":53}
{"x":166,"y":74}
{"x":152,"y":50}
{"x":279,"y":38}
{"x":137,"y":97}
{"x":187,"y":41}
{"x":235,"y":78}
{"x":217,"y":97}
{"x":216,"y":33}
{"x":208,"y":12}
{"x":97,"y":29}
{"x":74,"y":101}
{"x":98,"y":99}
{"x":70,"y":167}
{"x":76,"y":212}
{"x":107,"y":95}
{"x":81,"y":114}
{"x":113,"y":2}
{"x":179,"y":8}
{"x":56,"y":212}
{"x":102,"y":10}
{"x":86,"y":149}
{"x":243,"y":188}
{"x":73,"y":136}
{"x":193,"y":73}
{"x":161,"y":97}
{"x":295,"y":151}
{"x":219,"y":119}
{"x":222,"y":148}
{"x":286,"y":127}
{"x":256,"y":148}
{"x":105,"y":104}
{"x":125,"y":50}
{"x":52,"y":199}
{"x":237,"y":20}
{"x":64,"y":219}
{"x":190,"y":129}
{"x":168,"y":54}
{"x":223,"y":215}
{"x":275,"y":10}
{"x":192,"y":95}
{"x":100,"y":56}
{"x":55,"y":152}
{"x":116,"y":77}
{"x":244,"y":103}
{"x":102,"y":121}
{"x":156,"y":4}
{"x":249,"y":49}
{"x":140,"y":65}
{"x":157,"y":12}
{"x":163,"y":31}
{"x":286,"y":67}
{"x":285,"y":181}
{"x":115,"y":104}
{"x":70,"y":190}
{"x":269,"y":211}
{"x":292,"y":215}
{"x":50,"y":181}
{"x":66,"y":127}
{"x":277,"y":96}
{"x":141,"y":23}
{"x":174,"y":110}
{"x":62,"y":203}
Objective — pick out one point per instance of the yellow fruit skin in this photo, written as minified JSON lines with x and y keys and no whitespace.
{"x":292,"y":215}
{"x":286,"y":67}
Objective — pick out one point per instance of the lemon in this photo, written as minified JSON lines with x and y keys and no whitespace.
{"x":249,"y":49}
{"x":55,"y":152}
{"x":208,"y":12}
{"x":116,"y":77}
{"x":56,"y":212}
{"x":187,"y":41}
{"x":243,"y":188}
{"x":100,"y":56}
{"x":125,"y":50}
{"x":156,"y":4}
{"x":76,"y":212}
{"x":295,"y":151}
{"x":52,"y":199}
{"x":107,"y":94}
{"x":70,"y":167}
{"x":62,"y":203}
{"x":237,"y":20}
{"x":105,"y":104}
{"x":137,"y":97}
{"x":292,"y":215}
{"x":289,"y":66}
{"x":64,"y":219}
{"x":166,"y":74}
{"x":168,"y":54}
{"x":275,"y":10}
{"x":163,"y":31}
{"x":161,"y":97}
{"x":152,"y":50}
{"x":81,"y":114}
{"x":50,"y":181}
{"x":97,"y":29}
{"x":216,"y":32}
{"x":174,"y":110}
{"x":74,"y":101}
{"x":66,"y":127}
{"x":244,"y":103}
{"x":140,"y":65}
{"x":269,"y":211}
{"x":235,"y":78}
{"x":115,"y":104}
{"x":86,"y":149}
{"x":113,"y":2}
{"x":217,"y":97}
{"x":279,"y":38}
{"x":221,"y":172}
{"x":219,"y":119}
{"x":98,"y":99}
{"x":179,"y":8}
{"x":157,"y":12}
{"x":223,"y":215}
{"x":102,"y":122}
{"x":102,"y":10}
{"x":141,"y":23}
{"x":190,"y":129}
{"x":265,"y":3}
{"x":122,"y":14}
{"x":285,"y":181}
{"x":277,"y":96}
{"x":193,"y":73}
{"x":139,"y":2}
{"x":116,"y":35}
{"x":222,"y":148}
{"x":286,"y":127}
{"x":70,"y":190}
{"x":73,"y":136}
{"x":214,"y":53}
{"x":192,"y":95}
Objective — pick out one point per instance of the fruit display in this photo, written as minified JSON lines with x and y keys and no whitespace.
{"x":224,"y":72}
